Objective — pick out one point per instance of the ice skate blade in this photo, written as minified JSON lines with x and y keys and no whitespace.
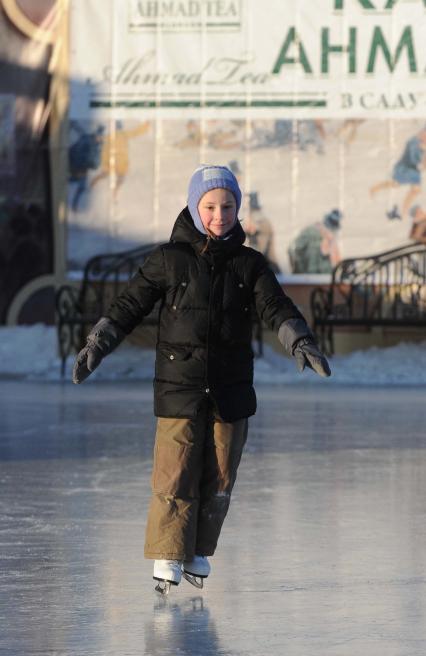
{"x":163,"y":587}
{"x":196,"y":581}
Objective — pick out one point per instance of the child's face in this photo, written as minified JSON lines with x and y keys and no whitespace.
{"x":218,"y":211}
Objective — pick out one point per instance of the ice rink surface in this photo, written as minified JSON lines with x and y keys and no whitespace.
{"x":322,"y":554}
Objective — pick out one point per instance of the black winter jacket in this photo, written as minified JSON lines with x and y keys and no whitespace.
{"x":205,"y":326}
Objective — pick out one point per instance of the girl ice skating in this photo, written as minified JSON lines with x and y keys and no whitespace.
{"x":207,"y":282}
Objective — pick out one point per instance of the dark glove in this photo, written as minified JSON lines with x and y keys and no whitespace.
{"x":298,"y":340}
{"x":307,"y":354}
{"x":104,"y":337}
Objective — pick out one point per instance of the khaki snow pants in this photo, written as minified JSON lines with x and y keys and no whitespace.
{"x":195,"y":467}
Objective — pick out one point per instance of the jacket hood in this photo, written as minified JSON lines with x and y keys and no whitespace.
{"x":184,"y":230}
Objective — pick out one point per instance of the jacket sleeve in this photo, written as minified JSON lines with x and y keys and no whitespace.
{"x":272,"y":304}
{"x":141,"y":294}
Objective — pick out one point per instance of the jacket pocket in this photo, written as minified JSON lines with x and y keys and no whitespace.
{"x":178,"y":353}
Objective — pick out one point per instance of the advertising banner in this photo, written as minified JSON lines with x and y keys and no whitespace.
{"x":319,"y":108}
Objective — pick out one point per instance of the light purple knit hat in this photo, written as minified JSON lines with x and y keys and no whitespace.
{"x":204,"y":179}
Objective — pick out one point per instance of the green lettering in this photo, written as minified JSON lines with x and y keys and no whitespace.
{"x":283,"y":59}
{"x":391,"y":3}
{"x":366,"y":4}
{"x":326,"y":49}
{"x":379,"y":42}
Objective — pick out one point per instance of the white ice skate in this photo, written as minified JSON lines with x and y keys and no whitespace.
{"x":196,"y":570}
{"x":167,"y":573}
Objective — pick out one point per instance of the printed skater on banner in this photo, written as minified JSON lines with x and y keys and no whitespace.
{"x":207,"y":282}
{"x":305,"y":134}
{"x":115,"y":161}
{"x":267,"y":134}
{"x":260,"y":233}
{"x":348,"y":130}
{"x":259,"y":230}
{"x":311,"y":134}
{"x":193,"y":137}
{"x":316,"y":248}
{"x":418,"y":225}
{"x":408,"y":172}
{"x":221,"y":135}
{"x":84,"y":154}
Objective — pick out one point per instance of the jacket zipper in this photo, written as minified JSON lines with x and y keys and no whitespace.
{"x":212,"y":270}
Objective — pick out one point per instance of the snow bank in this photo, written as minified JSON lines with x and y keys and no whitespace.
{"x":404,"y":364}
{"x":30,"y":352}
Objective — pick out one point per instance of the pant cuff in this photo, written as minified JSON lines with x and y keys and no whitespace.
{"x":150,"y":555}
{"x":205,"y":551}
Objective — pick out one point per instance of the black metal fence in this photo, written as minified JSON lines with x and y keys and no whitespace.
{"x":387,"y":289}
{"x":79,"y":308}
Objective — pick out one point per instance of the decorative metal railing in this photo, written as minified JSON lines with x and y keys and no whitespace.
{"x":103,"y":278}
{"x":387,"y":289}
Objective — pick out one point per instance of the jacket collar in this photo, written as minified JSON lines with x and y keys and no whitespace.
{"x":185,"y":231}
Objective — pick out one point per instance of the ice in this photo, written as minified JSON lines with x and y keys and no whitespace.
{"x":322,"y":551}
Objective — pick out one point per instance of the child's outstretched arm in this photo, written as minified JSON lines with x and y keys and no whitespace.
{"x":280,"y":314}
{"x":123,"y":315}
